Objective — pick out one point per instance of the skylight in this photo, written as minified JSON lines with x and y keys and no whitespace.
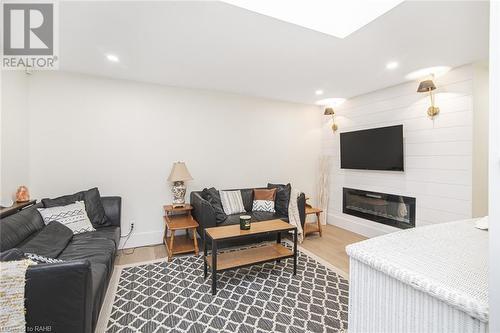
{"x":333,"y":17}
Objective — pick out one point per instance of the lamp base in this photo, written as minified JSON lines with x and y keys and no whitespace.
{"x":334,"y":127}
{"x":178,"y":193}
{"x":432,"y":111}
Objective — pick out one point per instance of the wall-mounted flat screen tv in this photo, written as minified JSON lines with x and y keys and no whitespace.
{"x":373,"y":149}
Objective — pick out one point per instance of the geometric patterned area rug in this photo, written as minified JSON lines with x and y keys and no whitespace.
{"x":172,"y":296}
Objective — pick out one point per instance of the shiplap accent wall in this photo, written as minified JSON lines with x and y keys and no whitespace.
{"x":438,"y":153}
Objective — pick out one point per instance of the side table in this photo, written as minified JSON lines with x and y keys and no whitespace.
{"x":16,"y":207}
{"x":179,"y":219}
{"x":310,"y":228}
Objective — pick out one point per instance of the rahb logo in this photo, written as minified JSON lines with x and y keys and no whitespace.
{"x":30,"y":35}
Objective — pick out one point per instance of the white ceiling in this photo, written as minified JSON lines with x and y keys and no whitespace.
{"x":217,"y":46}
{"x":335,"y":18}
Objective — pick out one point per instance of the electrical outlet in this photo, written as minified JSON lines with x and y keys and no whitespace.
{"x":132,"y":223}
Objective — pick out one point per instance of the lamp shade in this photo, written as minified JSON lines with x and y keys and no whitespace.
{"x":426,"y":86}
{"x":179,"y":173}
{"x":329,"y":111}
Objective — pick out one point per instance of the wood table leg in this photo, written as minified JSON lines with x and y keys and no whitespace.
{"x":195,"y":240}
{"x":171,"y":244}
{"x":165,"y":238}
{"x":214,"y":267}
{"x":319,"y":224}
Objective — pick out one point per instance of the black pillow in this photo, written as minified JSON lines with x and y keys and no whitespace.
{"x":63,"y":201}
{"x":213,"y":197}
{"x":93,"y":205}
{"x":49,"y":242}
{"x":94,"y":208}
{"x":282,"y":198}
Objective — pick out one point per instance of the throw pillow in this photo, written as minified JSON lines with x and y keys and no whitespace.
{"x":50,"y":241}
{"x":41,"y":259}
{"x":282,"y":198}
{"x":263,"y":200}
{"x":73,"y":216}
{"x":62,"y":201}
{"x":232,"y":202}
{"x":93,"y":205}
{"x":213,"y":198}
{"x":94,"y":208}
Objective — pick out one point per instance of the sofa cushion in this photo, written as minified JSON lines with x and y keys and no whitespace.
{"x":18,"y":227}
{"x":282,"y":197}
{"x":213,"y":198}
{"x":95,"y":249}
{"x":50,"y":241}
{"x":266,"y":216}
{"x":111,"y":233}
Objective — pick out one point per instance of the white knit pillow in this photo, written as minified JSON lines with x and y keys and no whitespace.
{"x":74,"y":216}
{"x":232,"y":202}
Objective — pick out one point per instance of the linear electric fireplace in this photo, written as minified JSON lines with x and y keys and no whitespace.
{"x":394,"y":210}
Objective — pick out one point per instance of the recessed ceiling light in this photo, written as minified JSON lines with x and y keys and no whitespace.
{"x":319,"y":92}
{"x":112,"y":58}
{"x":336,"y":18}
{"x":392,"y":65}
{"x":436,"y":71}
{"x":332,"y":102}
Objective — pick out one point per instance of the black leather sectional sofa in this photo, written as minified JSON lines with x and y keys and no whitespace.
{"x":66,"y":296}
{"x":205,"y":214}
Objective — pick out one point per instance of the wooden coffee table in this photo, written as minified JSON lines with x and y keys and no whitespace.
{"x":246,"y":257}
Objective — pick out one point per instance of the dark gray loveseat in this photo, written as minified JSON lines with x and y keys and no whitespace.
{"x":67,"y":296}
{"x":205,"y":215}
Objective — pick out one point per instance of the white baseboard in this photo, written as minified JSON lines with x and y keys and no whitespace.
{"x":142,"y":239}
{"x":360,"y":226}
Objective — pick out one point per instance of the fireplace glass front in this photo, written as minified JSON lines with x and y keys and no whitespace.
{"x":394,"y":210}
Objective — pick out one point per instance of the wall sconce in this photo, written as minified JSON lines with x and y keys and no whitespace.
{"x":428,"y":86}
{"x":330,"y":112}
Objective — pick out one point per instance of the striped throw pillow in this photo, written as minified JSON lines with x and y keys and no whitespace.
{"x":232,"y":202}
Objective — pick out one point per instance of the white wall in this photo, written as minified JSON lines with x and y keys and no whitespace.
{"x":438,"y":154}
{"x":494,"y":170}
{"x":124,"y":136}
{"x":14,"y":134}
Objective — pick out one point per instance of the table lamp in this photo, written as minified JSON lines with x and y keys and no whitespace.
{"x":178,"y":176}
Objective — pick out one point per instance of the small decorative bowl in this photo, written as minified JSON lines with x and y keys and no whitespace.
{"x":245,"y":222}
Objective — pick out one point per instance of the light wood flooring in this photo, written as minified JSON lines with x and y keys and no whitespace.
{"x":330,"y":247}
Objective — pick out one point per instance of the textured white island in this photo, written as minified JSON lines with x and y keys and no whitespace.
{"x":427,"y":279}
